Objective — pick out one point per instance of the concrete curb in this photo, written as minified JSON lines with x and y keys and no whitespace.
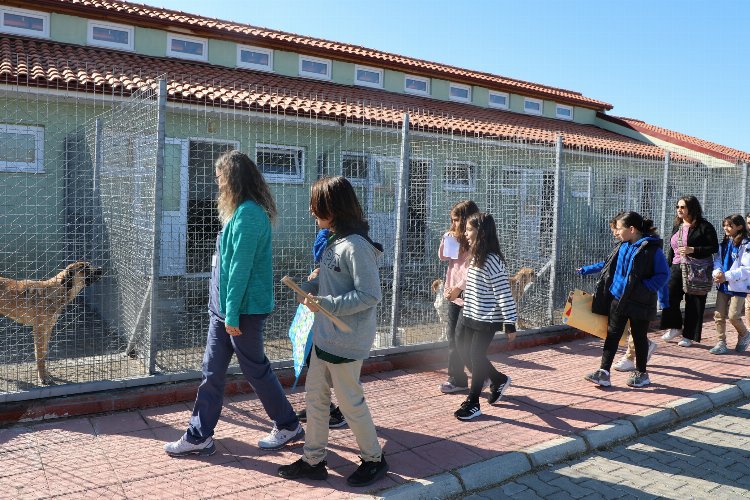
{"x":497,"y":470}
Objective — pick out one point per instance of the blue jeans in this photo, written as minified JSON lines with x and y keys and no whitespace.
{"x":255,"y":366}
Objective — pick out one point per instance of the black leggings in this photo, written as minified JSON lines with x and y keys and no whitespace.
{"x":695,"y":306}
{"x":456,"y":373}
{"x":615,"y":329}
{"x":473,"y":344}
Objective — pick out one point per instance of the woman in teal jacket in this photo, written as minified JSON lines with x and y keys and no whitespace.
{"x":240,"y":300}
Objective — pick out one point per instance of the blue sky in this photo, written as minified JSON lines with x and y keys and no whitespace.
{"x":679,"y":64}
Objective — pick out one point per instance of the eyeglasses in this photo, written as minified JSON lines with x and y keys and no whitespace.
{"x":683,"y":207}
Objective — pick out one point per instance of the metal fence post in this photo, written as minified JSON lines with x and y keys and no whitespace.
{"x":402,"y":201}
{"x":743,"y":188}
{"x":664,"y":192}
{"x":556,"y":233}
{"x":156,"y":256}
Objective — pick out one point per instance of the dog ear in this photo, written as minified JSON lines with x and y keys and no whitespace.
{"x":67,"y":280}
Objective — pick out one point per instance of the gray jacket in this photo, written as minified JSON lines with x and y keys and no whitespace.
{"x":349,"y":287}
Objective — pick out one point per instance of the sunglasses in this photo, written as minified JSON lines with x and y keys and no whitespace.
{"x":681,"y":207}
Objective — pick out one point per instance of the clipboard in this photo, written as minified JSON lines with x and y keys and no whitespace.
{"x":577,"y":314}
{"x":336,"y":321}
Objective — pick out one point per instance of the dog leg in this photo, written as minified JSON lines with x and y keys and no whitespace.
{"x":42,"y":335}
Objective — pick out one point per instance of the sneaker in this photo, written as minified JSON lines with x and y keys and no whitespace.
{"x":302,"y":415}
{"x":336,"y":419}
{"x":449,"y":387}
{"x":368,"y":472}
{"x":719,"y":348}
{"x":497,"y":391}
{"x":624,"y":365}
{"x":468,"y":410}
{"x":685,"y":343}
{"x":651,"y":349}
{"x":278,"y":438}
{"x":671,"y":334}
{"x":302,"y":470}
{"x":742,"y":343}
{"x":638,"y":379}
{"x":182,"y":447}
{"x":599,"y":377}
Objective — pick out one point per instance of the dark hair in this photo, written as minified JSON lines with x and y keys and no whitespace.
{"x":613,"y":220}
{"x":737,"y":220}
{"x":334,"y":198}
{"x":241,"y":181}
{"x":636,"y":220}
{"x":487,"y":241}
{"x":463,"y":209}
{"x":694,"y":210}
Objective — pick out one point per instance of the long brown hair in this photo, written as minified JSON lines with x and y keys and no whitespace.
{"x":463,"y":209}
{"x":240,"y":180}
{"x":334,"y":198}
{"x":487,"y":241}
{"x":737,"y":220}
{"x":694,"y":210}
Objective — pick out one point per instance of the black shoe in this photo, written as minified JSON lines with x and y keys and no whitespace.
{"x":336,"y":419}
{"x":302,"y":415}
{"x":468,"y":410}
{"x":497,"y":391}
{"x":368,"y":472}
{"x":302,"y":470}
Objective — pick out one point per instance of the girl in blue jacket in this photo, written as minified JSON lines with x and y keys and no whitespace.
{"x":631,"y":280}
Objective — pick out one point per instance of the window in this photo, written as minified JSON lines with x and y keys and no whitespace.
{"x":499,"y":100}
{"x":563,"y":112}
{"x":116,"y":36}
{"x":24,"y":22}
{"x":21,"y":148}
{"x":417,"y":85}
{"x":355,"y":167}
{"x":580,"y":183}
{"x":532,"y":106}
{"x":314,"y":67}
{"x":458,"y":92}
{"x":369,"y":77}
{"x":459,"y":176}
{"x":187,"y":47}
{"x":254,"y":58}
{"x":280,"y":163}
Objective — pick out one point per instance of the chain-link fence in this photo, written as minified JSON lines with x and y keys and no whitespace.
{"x":84,"y":175}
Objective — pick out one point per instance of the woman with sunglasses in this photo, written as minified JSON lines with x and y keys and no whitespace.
{"x":692,"y":237}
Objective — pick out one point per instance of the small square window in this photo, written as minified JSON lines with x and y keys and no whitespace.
{"x":459,"y":176}
{"x":254,"y":58}
{"x":532,"y":106}
{"x":458,"y":92}
{"x":417,"y":85}
{"x":116,"y":36}
{"x":280,"y":163}
{"x":369,"y":77}
{"x":24,"y":22}
{"x":187,"y":47}
{"x":563,"y":112}
{"x":499,"y":100}
{"x":21,"y":148}
{"x":315,"y":68}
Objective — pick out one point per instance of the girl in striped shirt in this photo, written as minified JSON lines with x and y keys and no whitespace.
{"x":488,"y":307}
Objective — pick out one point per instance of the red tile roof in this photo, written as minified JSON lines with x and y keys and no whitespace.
{"x":146,"y":15}
{"x":53,"y":65}
{"x":683,"y":140}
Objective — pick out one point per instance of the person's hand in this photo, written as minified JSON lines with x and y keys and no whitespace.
{"x":719,"y":277}
{"x":312,"y":304}
{"x":686,"y":251}
{"x":454,"y":293}
{"x":233,"y":330}
{"x":579,"y":270}
{"x":313,"y":274}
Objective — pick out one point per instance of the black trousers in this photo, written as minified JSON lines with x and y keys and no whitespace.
{"x":456,"y":373}
{"x":695,"y":306}
{"x":615,"y":328}
{"x":473,"y":344}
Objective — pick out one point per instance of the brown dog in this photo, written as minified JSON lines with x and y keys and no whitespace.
{"x":519,"y":281}
{"x":39,"y":303}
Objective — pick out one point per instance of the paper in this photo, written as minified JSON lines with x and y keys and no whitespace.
{"x":450,"y":246}
{"x":300,"y":333}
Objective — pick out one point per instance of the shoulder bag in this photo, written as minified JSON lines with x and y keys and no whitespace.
{"x":697,"y":276}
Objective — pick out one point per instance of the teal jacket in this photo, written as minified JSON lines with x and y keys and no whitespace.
{"x":246,"y":278}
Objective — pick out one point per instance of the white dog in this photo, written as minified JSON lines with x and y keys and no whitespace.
{"x":441,"y":305}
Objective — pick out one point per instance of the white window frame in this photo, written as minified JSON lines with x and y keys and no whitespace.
{"x":467,"y":88}
{"x":419,"y":79}
{"x":261,"y":50}
{"x":281,"y":178}
{"x":35,"y":167}
{"x":532,"y":111}
{"x":103,"y":43}
{"x":460,"y":187}
{"x":183,"y":55}
{"x":21,"y":31}
{"x":499,"y":106}
{"x":558,"y":107}
{"x":317,"y":76}
{"x":379,"y":71}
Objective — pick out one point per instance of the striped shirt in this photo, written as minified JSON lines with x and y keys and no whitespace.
{"x":487,"y":297}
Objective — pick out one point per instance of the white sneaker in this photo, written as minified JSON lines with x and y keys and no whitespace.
{"x":685,"y":343}
{"x":651,"y":349}
{"x":624,"y":365}
{"x":671,"y":334}
{"x":183,"y":447}
{"x":278,"y":438}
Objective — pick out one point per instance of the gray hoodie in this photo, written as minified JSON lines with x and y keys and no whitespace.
{"x":349,"y":287}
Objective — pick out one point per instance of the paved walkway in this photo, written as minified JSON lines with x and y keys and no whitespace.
{"x":549,"y":404}
{"x":704,"y":457}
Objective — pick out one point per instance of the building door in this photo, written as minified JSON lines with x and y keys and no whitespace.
{"x":173,"y":250}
